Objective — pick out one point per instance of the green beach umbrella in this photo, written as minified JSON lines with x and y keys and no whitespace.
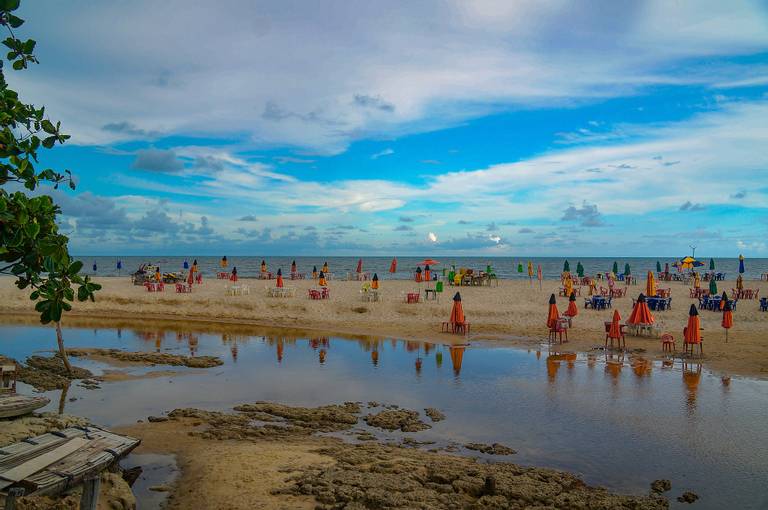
{"x":711,"y":264}
{"x":566,"y":267}
{"x":658,"y":266}
{"x":580,"y":270}
{"x":519,"y":267}
{"x":712,"y":287}
{"x":627,"y":271}
{"x":615,"y":267}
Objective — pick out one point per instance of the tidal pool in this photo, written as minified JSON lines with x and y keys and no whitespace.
{"x":617,"y":421}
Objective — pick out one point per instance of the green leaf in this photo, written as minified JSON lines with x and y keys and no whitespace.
{"x":48,"y":142}
{"x":15,"y":22}
{"x":19,"y":64}
{"x":48,"y":127}
{"x":9,"y":5}
{"x":32,"y":229}
{"x":75,"y":267}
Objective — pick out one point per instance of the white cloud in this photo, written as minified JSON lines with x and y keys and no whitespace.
{"x":311,"y":78}
{"x":385,"y":152}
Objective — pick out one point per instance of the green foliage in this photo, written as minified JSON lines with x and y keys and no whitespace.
{"x":31,"y":246}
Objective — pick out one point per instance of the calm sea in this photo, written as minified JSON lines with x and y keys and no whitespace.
{"x":503,"y":266}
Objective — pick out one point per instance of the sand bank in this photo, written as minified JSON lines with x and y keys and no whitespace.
{"x":512,"y":313}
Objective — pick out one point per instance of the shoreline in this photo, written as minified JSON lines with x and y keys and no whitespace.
{"x":512,"y":314}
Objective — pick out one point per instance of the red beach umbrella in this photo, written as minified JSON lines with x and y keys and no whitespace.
{"x":428,"y":262}
{"x":614,"y":331}
{"x":572,"y":310}
{"x":692,"y":331}
{"x":727,"y":318}
{"x":457,"y":311}
{"x":641,"y":314}
{"x":191,"y":278}
{"x":359,"y":266}
{"x":553,"y":315}
{"x":393,"y":266}
{"x":293,"y":266}
{"x":279,"y":278}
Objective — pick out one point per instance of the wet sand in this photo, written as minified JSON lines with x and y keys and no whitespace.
{"x":513,"y":313}
{"x":244,"y":460}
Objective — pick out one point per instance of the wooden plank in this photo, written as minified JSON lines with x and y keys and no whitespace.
{"x":90,"y":498}
{"x":39,"y":463}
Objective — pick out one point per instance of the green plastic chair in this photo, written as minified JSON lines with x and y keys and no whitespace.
{"x":451,"y":276}
{"x":439,"y":287}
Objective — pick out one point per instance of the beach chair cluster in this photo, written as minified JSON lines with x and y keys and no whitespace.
{"x":321,"y":293}
{"x":237,"y":290}
{"x":154,"y":286}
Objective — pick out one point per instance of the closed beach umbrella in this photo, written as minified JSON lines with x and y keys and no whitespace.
{"x":359,"y":266}
{"x":711,"y":264}
{"x":650,"y":285}
{"x":234,"y":274}
{"x":418,"y":274}
{"x":191,"y":278}
{"x":279,"y":278}
{"x":641,"y":314}
{"x":615,"y":269}
{"x":519,"y":267}
{"x":692,"y":333}
{"x":614,"y":331}
{"x":375,"y":281}
{"x":186,"y":264}
{"x":158,"y":275}
{"x":580,"y":270}
{"x":393,"y":266}
{"x":712,"y":287}
{"x":457,"y":311}
{"x":94,"y":267}
{"x":658,"y":266}
{"x":293,"y":266}
{"x":666,"y":267}
{"x":568,"y":287}
{"x":530,"y":269}
{"x":739,"y":282}
{"x":325,"y":267}
{"x":741,"y":264}
{"x":723,"y":300}
{"x":427,"y":276}
{"x":263,"y":266}
{"x":321,"y":280}
{"x":696,"y":281}
{"x":539,"y":275}
{"x":119,"y":264}
{"x":224,"y":261}
{"x":194,"y":266}
{"x":572,"y":310}
{"x":566,"y":267}
{"x":727,"y":322}
{"x":314,"y":272}
{"x":627,"y":270}
{"x":553,"y":314}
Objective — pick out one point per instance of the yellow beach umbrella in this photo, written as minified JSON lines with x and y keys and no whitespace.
{"x":650,"y":285}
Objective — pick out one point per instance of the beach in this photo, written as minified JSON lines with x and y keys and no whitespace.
{"x":512,"y":313}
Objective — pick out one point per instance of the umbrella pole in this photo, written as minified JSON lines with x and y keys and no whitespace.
{"x":726,"y":336}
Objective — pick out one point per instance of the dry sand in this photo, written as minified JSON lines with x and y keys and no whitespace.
{"x":512,"y":313}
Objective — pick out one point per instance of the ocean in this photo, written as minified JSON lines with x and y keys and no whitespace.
{"x":505,"y":267}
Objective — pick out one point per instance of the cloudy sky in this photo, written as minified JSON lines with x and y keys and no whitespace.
{"x":419,"y":127}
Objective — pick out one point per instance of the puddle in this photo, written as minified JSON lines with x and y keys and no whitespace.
{"x":157,"y":471}
{"x":618,"y":421}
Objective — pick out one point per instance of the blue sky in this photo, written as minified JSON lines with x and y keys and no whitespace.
{"x":493,"y":128}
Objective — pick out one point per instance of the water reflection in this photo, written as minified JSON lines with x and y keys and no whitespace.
{"x":598,"y":409}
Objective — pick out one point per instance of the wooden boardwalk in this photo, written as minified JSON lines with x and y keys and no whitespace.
{"x":58,"y":461}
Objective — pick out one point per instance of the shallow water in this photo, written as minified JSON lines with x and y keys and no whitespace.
{"x":620,"y":423}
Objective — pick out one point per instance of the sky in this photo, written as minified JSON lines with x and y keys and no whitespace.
{"x":615,"y":128}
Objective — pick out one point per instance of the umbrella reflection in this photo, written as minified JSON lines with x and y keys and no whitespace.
{"x":691,"y":380}
{"x":375,"y":358}
{"x":457,"y":356}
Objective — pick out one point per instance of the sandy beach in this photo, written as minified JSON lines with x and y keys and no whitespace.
{"x":514,"y":313}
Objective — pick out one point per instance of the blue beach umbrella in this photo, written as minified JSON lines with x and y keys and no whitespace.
{"x":186,"y":264}
{"x":741,"y":264}
{"x":94,"y":267}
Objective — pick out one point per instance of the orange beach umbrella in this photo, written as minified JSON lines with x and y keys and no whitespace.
{"x":325,"y":267}
{"x":393,"y":266}
{"x":614,"y":331}
{"x":553,"y":315}
{"x":321,"y":280}
{"x":572,"y":310}
{"x":650,"y":285}
{"x":641,"y":314}
{"x":224,"y":261}
{"x":375,"y":281}
{"x":263,"y":266}
{"x":457,"y":311}
{"x":428,"y":262}
{"x":279,"y":277}
{"x":692,"y":331}
{"x":727,"y":317}
{"x":427,"y":275}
